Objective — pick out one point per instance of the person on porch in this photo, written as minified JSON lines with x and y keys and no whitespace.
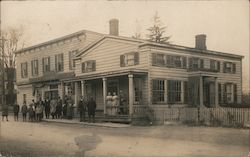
{"x":109,"y":103}
{"x":115,"y":100}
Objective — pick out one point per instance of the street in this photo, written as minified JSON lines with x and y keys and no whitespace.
{"x":76,"y":140}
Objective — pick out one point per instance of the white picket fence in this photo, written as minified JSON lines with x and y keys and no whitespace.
{"x":231,"y":117}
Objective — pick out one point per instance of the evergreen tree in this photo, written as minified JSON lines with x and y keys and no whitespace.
{"x":156,"y":32}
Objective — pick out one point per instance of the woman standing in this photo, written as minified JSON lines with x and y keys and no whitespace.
{"x":114,"y":103}
{"x":109,"y":103}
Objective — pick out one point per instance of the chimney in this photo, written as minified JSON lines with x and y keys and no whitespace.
{"x":114,"y":27}
{"x":200,"y":42}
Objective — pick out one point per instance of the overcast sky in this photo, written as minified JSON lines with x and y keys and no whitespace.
{"x":226,"y":23}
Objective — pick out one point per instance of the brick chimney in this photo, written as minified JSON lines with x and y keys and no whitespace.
{"x":114,"y":27}
{"x":200,"y":42}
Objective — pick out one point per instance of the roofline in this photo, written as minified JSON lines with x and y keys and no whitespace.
{"x":185,"y":48}
{"x":55,"y":40}
{"x":103,"y":38}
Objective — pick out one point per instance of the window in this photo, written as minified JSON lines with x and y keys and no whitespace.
{"x":194,"y":63}
{"x":220,"y":93}
{"x":59,"y":62}
{"x":129,"y":59}
{"x":46,"y":64}
{"x":214,"y":65}
{"x":228,"y":95}
{"x":185,"y":92}
{"x":34,"y":67}
{"x":229,"y":67}
{"x":169,"y":60}
{"x":71,"y":61}
{"x":174,"y":91}
{"x":235,"y":93}
{"x":24,"y":70}
{"x":158,"y":90}
{"x":88,"y":66}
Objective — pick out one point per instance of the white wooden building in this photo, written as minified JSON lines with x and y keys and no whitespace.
{"x":143,"y":73}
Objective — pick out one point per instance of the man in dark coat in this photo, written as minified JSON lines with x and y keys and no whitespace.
{"x":16,"y":110}
{"x":91,"y":109}
{"x":82,"y":109}
{"x":47,"y":108}
{"x":24,"y":111}
{"x":5,"y":112}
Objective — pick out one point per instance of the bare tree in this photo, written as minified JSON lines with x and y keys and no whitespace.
{"x":137,"y":33}
{"x":12,"y":38}
{"x":156,"y":32}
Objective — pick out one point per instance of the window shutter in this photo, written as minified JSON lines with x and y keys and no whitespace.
{"x":62,"y":63}
{"x":83,"y":67}
{"x":56,"y":62}
{"x":234,"y":68}
{"x":235,"y":93}
{"x":218,"y":66}
{"x":22,"y":70}
{"x":43,"y":64}
{"x":219,"y":92}
{"x":32,"y":68}
{"x":122,"y":60}
{"x":190,"y":60}
{"x":154,"y":60}
{"x":201,"y":63}
{"x":224,"y":67}
{"x":48,"y":63}
{"x":184,"y":62}
{"x":136,"y":58}
{"x":93,"y":66}
{"x":168,"y":61}
{"x":224,"y":100}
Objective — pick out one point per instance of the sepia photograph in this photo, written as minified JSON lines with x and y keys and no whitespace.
{"x":124,"y":78}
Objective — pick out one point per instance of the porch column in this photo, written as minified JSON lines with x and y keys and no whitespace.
{"x":83,"y":89}
{"x":201,"y":91}
{"x":182,"y":92}
{"x":216,"y":102}
{"x":131,"y":93}
{"x":104,"y":83}
{"x":62,"y":91}
{"x":76,"y":93}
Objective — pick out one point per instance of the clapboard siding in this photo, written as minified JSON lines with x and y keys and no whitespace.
{"x":26,"y":89}
{"x":107,"y":56}
{"x":50,"y":51}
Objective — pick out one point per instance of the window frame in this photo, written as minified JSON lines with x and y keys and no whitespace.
{"x":34,"y":67}
{"x":126,"y":61}
{"x":86,"y":69}
{"x":24,"y":69}
{"x":59,"y":62}
{"x":46,"y":64}
{"x":158,"y":91}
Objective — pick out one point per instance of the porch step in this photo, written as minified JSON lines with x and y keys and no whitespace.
{"x":116,"y":119}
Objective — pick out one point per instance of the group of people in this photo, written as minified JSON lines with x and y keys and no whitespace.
{"x":116,"y":105}
{"x":54,"y":108}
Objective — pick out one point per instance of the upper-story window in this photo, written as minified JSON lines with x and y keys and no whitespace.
{"x":159,"y":59}
{"x":34,"y":67}
{"x":129,"y":59}
{"x":46,"y":64}
{"x":214,"y":65}
{"x":88,"y":66}
{"x":195,"y":63}
{"x":71,"y":61}
{"x":59,"y":62}
{"x":229,"y":67}
{"x":24,"y":69}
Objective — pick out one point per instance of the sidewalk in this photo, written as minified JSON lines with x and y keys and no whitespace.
{"x":76,"y":121}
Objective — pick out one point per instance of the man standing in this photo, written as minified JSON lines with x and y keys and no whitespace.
{"x":5,"y":112}
{"x":82,"y":109}
{"x":91,"y":109}
{"x":24,"y":111}
{"x":16,"y":110}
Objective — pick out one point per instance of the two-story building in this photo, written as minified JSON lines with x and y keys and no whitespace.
{"x":140,"y":72}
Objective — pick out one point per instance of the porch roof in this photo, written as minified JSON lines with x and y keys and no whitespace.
{"x":91,"y":76}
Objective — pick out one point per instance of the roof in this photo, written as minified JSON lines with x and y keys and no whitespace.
{"x":56,"y":40}
{"x":142,"y":43}
{"x":190,"y":49}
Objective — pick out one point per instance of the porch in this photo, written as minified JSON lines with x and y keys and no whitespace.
{"x":115,"y":95}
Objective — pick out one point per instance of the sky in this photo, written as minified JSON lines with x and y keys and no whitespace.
{"x":226,"y":23}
